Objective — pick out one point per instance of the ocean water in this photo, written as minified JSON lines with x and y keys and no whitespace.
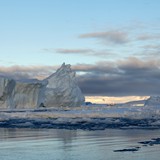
{"x":61,"y":144}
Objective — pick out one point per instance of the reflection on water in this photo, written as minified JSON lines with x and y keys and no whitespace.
{"x":58,"y":144}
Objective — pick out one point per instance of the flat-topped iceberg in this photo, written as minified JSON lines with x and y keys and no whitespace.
{"x":59,"y":89}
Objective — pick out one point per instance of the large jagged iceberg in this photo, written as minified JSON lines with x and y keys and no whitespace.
{"x":62,"y":89}
{"x":59,"y":89}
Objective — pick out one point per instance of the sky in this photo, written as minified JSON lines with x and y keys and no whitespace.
{"x":113,"y":45}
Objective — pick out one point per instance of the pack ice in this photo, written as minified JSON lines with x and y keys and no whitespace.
{"x":59,"y":89}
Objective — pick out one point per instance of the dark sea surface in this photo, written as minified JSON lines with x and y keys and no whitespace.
{"x":62,"y":144}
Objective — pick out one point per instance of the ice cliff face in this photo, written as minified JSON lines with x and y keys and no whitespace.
{"x":62,"y":89}
{"x":59,"y":89}
{"x":6,"y":87}
{"x":21,"y":94}
{"x":28,"y":94}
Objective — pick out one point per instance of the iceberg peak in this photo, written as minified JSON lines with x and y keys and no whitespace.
{"x":62,"y":88}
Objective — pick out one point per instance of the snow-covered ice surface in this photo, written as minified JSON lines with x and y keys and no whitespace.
{"x":90,"y":117}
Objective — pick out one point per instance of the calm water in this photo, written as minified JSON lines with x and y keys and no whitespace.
{"x":54,"y":144}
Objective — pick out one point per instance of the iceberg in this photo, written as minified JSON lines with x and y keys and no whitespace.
{"x":59,"y":89}
{"x":62,"y":89}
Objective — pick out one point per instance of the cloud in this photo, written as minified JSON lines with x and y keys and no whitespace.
{"x":149,"y":51}
{"x":126,"y":77}
{"x":119,"y":86}
{"x":84,"y":52}
{"x":135,"y":64}
{"x":27,"y":72}
{"x":130,"y":41}
{"x":145,"y":36}
{"x":114,"y":37}
{"x":151,"y":47}
{"x":98,"y":68}
{"x":74,"y":51}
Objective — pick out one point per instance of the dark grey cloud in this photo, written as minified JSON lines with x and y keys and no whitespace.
{"x":126,"y":77}
{"x":114,"y":37}
{"x":119,"y":86}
